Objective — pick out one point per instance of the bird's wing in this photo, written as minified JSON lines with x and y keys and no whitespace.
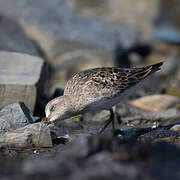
{"x":106,"y":81}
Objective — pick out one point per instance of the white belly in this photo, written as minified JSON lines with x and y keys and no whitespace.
{"x":106,"y":103}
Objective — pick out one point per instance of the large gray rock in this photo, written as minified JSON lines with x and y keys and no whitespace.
{"x":31,"y":136}
{"x":17,"y":68}
{"x":14,"y":116}
{"x":139,"y":15}
{"x":13,"y":38}
{"x":19,"y":74}
{"x":11,"y":93}
{"x":58,"y":19}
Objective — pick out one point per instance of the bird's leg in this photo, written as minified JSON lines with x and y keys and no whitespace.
{"x":111,"y":120}
{"x":118,"y":119}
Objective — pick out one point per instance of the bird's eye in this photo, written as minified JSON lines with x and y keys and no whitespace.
{"x":52,"y":108}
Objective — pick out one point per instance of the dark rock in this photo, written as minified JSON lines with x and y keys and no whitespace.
{"x":160,"y":135}
{"x":98,"y":157}
{"x":69,"y":125}
{"x":163,"y":162}
{"x":14,"y":116}
{"x":31,"y":136}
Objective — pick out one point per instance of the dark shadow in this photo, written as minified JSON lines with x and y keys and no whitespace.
{"x":26,"y":112}
{"x":122,"y":55}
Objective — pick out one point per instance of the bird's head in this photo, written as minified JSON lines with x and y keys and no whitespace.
{"x":58,"y":109}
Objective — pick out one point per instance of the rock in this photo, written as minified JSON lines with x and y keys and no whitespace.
{"x":140,"y":16}
{"x":148,"y":118}
{"x":27,"y":71}
{"x":166,"y":115}
{"x":97,"y":168}
{"x":69,"y":125}
{"x":13,"y":93}
{"x":176,"y":127}
{"x":156,"y":102}
{"x":47,"y":167}
{"x":31,"y":136}
{"x":159,"y":135}
{"x":56,"y":131}
{"x":13,"y":38}
{"x":101,"y":116}
{"x":14,"y":116}
{"x":65,"y":24}
{"x":86,"y":158}
{"x":135,"y":120}
{"x":18,"y":84}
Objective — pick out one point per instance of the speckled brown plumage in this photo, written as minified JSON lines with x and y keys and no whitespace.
{"x":96,"y":89}
{"x":106,"y":82}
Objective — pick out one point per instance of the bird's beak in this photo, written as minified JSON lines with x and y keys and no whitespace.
{"x":48,"y":120}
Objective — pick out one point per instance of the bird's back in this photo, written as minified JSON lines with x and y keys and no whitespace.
{"x":93,"y":84}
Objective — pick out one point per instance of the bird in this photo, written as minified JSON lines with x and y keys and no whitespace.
{"x":98,"y":88}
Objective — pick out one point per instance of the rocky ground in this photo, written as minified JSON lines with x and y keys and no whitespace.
{"x":42,"y":45}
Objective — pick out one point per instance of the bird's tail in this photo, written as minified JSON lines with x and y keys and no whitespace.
{"x":154,"y":67}
{"x":138,"y":74}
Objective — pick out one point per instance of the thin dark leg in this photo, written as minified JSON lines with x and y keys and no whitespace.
{"x":111,"y":120}
{"x":118,"y":119}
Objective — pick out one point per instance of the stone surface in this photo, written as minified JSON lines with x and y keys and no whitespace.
{"x":101,"y":116}
{"x":17,"y":68}
{"x":147,"y":118}
{"x":64,"y":24}
{"x":13,"y":38}
{"x":176,"y":128}
{"x":162,"y":115}
{"x":14,"y":116}
{"x":139,"y":15}
{"x":19,"y":76}
{"x":69,"y":125}
{"x":156,"y":102}
{"x":31,"y":136}
{"x":12,"y":93}
{"x":159,"y":135}
{"x":86,"y":158}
